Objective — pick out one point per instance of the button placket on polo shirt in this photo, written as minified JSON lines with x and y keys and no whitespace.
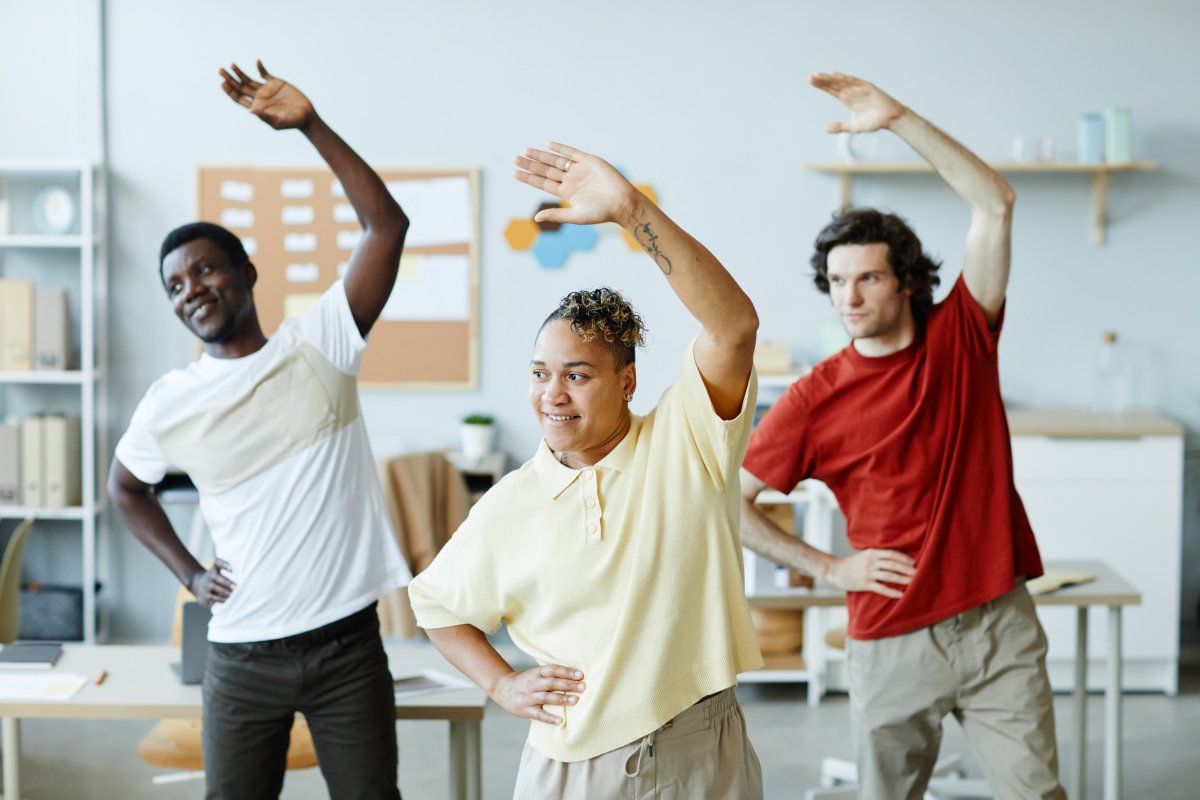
{"x":593,"y":528}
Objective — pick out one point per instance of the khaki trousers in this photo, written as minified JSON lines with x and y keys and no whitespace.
{"x":703,"y":753}
{"x":987,"y":666}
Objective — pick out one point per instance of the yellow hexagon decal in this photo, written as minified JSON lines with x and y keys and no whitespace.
{"x":647,"y":190}
{"x":520,"y":233}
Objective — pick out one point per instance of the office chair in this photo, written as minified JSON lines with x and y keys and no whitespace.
{"x":10,"y":582}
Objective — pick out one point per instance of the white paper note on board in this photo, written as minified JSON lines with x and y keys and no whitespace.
{"x":299,"y":242}
{"x":301,"y":273}
{"x":344,"y":212}
{"x":346,"y":240}
{"x":432,"y":288}
{"x":297,"y":215}
{"x":439,"y":208}
{"x":233,"y":218}
{"x":237,"y":191}
{"x":250,"y":245}
{"x":296,"y":189}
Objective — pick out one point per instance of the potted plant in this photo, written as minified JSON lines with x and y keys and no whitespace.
{"x":477,"y":432}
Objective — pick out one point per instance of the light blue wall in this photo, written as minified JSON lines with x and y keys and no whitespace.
{"x":708,"y":102}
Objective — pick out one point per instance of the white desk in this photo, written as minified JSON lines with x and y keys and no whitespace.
{"x":1109,"y":589}
{"x":140,"y":685}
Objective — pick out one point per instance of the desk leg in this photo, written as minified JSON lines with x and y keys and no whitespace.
{"x":474,"y":756}
{"x":458,"y":760}
{"x":12,"y":757}
{"x":466,"y":777}
{"x":1079,"y":779}
{"x":1113,"y":729}
{"x":814,"y":654}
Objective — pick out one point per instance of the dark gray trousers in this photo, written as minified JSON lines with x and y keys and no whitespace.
{"x":337,"y":677}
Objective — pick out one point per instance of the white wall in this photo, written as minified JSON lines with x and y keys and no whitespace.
{"x":708,"y":102}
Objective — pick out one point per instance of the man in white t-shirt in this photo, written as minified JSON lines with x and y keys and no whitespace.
{"x":271,"y":433}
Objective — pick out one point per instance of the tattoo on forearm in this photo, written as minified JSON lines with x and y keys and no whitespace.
{"x":648,"y":239}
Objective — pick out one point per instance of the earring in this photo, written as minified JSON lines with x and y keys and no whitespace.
{"x":628,"y":398}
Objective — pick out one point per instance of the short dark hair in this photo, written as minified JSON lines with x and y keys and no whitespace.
{"x":229,"y":243}
{"x":915,"y":269}
{"x":603,"y":314}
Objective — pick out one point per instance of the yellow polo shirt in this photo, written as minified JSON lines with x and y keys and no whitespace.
{"x":630,"y":571}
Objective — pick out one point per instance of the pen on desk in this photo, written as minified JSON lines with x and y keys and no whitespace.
{"x":101,"y":677}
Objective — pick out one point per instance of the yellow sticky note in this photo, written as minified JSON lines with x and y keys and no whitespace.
{"x":296,"y":304}
{"x":410,"y":268}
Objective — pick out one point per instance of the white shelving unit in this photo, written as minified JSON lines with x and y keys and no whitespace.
{"x":25,"y":253}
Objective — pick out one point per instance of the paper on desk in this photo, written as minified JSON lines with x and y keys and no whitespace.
{"x":1055,"y":579}
{"x":428,"y":681}
{"x":42,"y":686}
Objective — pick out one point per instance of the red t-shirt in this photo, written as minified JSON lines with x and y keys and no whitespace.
{"x":915,"y":447}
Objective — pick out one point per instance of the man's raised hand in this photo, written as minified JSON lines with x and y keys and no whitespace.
{"x":870,"y":107}
{"x":592,"y":187}
{"x":273,"y":100}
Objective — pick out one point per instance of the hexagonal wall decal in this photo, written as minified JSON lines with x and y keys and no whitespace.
{"x":552,"y":242}
{"x":551,"y":249}
{"x":547,"y":225}
{"x":520,"y":233}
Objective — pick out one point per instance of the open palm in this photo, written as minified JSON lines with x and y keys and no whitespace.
{"x":592,"y":187}
{"x":273,"y":100}
{"x":870,"y":107}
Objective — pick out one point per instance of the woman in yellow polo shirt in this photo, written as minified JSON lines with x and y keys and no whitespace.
{"x":613,"y":554}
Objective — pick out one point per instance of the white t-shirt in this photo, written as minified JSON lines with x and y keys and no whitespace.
{"x":276,"y":444}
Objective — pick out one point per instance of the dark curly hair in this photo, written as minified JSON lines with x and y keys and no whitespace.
{"x":603,"y":314}
{"x":229,"y":243}
{"x":916,"y":270}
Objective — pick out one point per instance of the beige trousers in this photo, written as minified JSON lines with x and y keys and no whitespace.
{"x":987,"y":667}
{"x":701,"y":754}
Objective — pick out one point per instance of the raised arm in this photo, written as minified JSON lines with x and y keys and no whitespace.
{"x":865,"y":571}
{"x":597,"y":193}
{"x":990,"y":198}
{"x":139,"y":509}
{"x":376,"y":258}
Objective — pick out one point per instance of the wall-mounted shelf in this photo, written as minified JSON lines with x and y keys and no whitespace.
{"x":1100,"y":179}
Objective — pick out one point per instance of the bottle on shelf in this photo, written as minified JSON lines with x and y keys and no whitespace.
{"x":1114,"y":389}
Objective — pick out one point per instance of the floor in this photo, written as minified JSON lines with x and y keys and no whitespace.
{"x":83,"y":760}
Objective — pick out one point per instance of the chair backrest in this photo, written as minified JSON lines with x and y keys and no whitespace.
{"x":10,"y":582}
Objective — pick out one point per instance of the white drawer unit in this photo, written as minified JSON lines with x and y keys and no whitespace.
{"x":1108,"y":487}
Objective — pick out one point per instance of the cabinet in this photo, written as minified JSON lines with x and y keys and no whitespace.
{"x":69,"y":544}
{"x":1108,"y":487}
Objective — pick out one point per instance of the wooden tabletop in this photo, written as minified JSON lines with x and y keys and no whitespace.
{"x":141,"y":685}
{"x":1109,"y":589}
{"x":1079,"y":423}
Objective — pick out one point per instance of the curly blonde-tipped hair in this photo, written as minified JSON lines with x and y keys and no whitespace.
{"x":605,"y":315}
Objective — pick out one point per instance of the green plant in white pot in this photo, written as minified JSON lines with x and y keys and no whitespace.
{"x":477,"y":433}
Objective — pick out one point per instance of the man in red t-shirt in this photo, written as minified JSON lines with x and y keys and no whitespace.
{"x":907,"y":428}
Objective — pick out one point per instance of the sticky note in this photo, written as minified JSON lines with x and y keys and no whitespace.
{"x":297,"y":215}
{"x":237,"y":218}
{"x":299,"y":242}
{"x":301,"y":273}
{"x":295,"y":305}
{"x":296,"y":189}
{"x":237,"y":191}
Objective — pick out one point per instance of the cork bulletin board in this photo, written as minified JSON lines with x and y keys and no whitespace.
{"x":299,"y":230}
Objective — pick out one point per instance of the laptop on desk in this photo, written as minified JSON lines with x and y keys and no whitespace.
{"x":193,"y":645}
